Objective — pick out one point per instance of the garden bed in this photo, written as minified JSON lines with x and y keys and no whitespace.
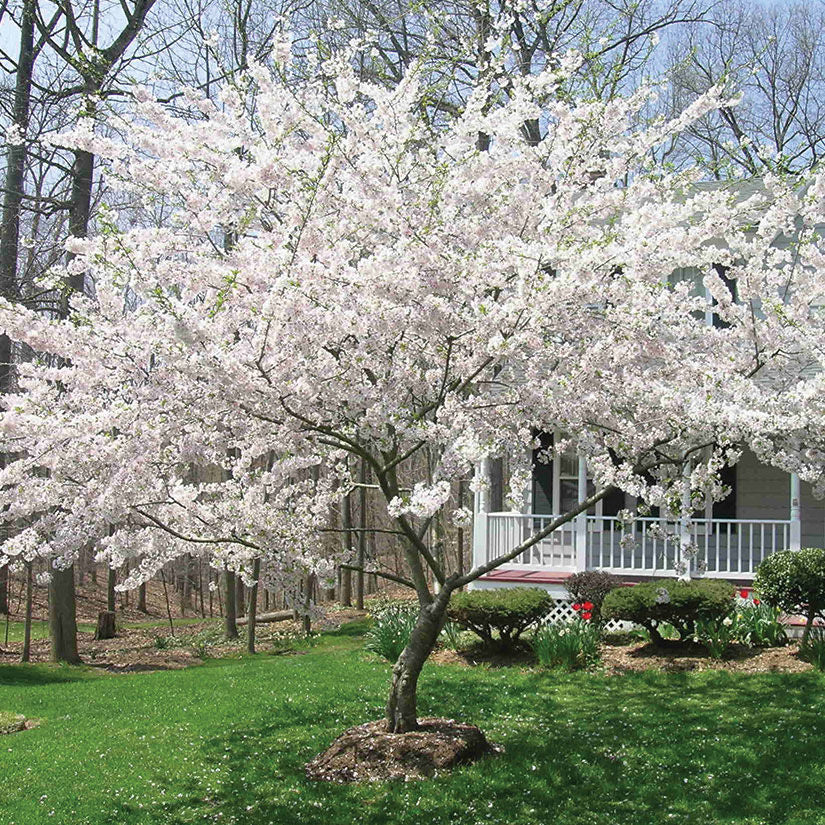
{"x":687,"y":656}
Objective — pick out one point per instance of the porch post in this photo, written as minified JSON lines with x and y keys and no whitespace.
{"x":581,"y":519}
{"x":481,"y":507}
{"x":796,"y":514}
{"x":684,"y":526}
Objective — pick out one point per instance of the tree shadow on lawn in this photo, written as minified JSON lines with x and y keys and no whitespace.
{"x":40,"y":674}
{"x":641,"y":748}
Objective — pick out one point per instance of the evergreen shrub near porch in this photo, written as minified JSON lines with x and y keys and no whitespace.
{"x":794,"y":582}
{"x":499,"y":616}
{"x":670,"y":601}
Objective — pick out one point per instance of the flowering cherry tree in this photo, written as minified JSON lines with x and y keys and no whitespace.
{"x":333,"y":277}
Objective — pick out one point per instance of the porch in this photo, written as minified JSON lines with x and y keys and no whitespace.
{"x":721,"y":548}
{"x":766,"y":511}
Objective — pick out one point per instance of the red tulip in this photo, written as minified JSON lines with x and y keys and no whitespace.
{"x":588,"y":605}
{"x":756,"y":601}
{"x":587,"y":615}
{"x":577,"y":607}
{"x":743,"y":594}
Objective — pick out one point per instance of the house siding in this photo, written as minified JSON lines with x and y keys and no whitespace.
{"x":764,"y":492}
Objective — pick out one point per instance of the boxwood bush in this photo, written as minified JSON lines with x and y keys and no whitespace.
{"x":507,"y":612}
{"x":794,"y":581}
{"x":670,"y":601}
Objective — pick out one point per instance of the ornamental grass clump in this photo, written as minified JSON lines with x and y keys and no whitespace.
{"x":570,"y":645}
{"x":499,"y":617}
{"x":391,"y":628}
{"x":813,"y":648}
{"x":669,"y":601}
{"x":794,"y":582}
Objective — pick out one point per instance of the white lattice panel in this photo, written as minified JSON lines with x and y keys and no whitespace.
{"x":563,"y":612}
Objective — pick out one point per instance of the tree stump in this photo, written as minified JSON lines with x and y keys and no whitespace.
{"x":105,"y":625}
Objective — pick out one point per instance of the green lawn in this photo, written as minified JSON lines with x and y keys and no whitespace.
{"x":40,"y":630}
{"x":226,"y":742}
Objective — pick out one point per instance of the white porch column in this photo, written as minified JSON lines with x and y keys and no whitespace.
{"x":684,"y":526}
{"x":481,"y":507}
{"x":581,"y":519}
{"x":796,"y":513}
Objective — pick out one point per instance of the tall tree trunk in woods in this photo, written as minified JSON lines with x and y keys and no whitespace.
{"x":61,"y":586}
{"x":200,"y":589}
{"x":16,"y":153}
{"x":25,"y":656}
{"x":346,"y":540}
{"x":240,"y":594}
{"x":230,"y":627}
{"x":309,"y":585}
{"x":111,"y":578}
{"x":141,"y":603}
{"x":363,"y":476}
{"x":62,"y":621}
{"x":252,"y":609}
{"x":4,"y":589}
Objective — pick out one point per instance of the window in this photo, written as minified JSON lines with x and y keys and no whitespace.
{"x":556,"y":484}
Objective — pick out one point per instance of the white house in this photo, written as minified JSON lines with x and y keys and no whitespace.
{"x":766,"y":511}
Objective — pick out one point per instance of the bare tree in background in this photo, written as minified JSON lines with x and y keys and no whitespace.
{"x":774,"y":55}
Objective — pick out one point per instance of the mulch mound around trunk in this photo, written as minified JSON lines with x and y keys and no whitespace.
{"x":368,"y":753}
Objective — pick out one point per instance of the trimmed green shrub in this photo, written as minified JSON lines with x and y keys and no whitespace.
{"x":391,"y":629}
{"x":670,"y":601}
{"x":573,"y":645}
{"x":507,"y":612}
{"x":592,"y":586}
{"x":794,"y":581}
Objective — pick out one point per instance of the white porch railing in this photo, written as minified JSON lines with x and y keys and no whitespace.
{"x":647,"y":546}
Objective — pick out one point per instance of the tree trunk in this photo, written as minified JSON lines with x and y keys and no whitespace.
{"x":25,"y":656}
{"x":240,"y":593}
{"x":16,"y":154}
{"x":141,"y":604}
{"x":309,"y":584}
{"x":230,"y":628}
{"x":402,"y":711}
{"x":111,"y":577}
{"x":252,"y":610}
{"x":62,"y":622}
{"x":105,"y":625}
{"x":361,"y":557}
{"x":4,"y":589}
{"x":346,"y":539}
{"x":809,"y":623}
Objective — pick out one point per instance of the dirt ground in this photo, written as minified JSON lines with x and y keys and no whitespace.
{"x":157,"y":648}
{"x":640,"y":656}
{"x":690,"y":656}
